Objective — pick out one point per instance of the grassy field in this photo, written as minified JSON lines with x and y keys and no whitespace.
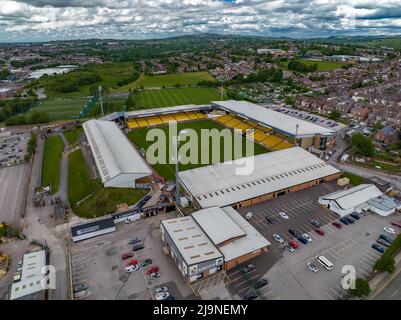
{"x":321,"y":65}
{"x":62,"y":108}
{"x":174,"y":97}
{"x":353,"y":178}
{"x":53,"y":149}
{"x":73,"y":135}
{"x":138,"y":137}
{"x":102,"y":200}
{"x":184,"y":79}
{"x":110,"y":74}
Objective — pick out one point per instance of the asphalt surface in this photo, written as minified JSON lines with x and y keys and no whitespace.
{"x":392,"y":291}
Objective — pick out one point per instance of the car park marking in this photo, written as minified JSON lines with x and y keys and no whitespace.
{"x":246,"y":280}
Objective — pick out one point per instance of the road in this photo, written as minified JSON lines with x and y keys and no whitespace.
{"x":392,"y":291}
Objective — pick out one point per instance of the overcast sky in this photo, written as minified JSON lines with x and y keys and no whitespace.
{"x":35,"y":20}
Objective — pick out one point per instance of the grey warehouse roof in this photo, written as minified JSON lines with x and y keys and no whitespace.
{"x":220,"y":185}
{"x":273,"y":119}
{"x":114,"y":154}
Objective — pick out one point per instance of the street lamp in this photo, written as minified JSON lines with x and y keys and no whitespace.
{"x":296,"y":133}
{"x":176,"y":142}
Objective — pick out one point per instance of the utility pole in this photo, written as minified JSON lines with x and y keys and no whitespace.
{"x":176,"y":140}
{"x":101,"y":101}
{"x":296,"y":134}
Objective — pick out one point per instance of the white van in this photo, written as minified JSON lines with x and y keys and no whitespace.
{"x":249,"y":216}
{"x":324,"y":262}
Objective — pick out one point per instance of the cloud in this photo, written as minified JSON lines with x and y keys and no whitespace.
{"x":71,"y":19}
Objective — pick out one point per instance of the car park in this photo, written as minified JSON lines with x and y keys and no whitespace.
{"x":131,"y":268}
{"x":355,"y":216}
{"x":159,"y":290}
{"x":283,"y":215}
{"x":146,"y":262}
{"x":389,"y":230}
{"x":135,"y":240}
{"x":137,"y":247}
{"x":302,"y":240}
{"x":396,"y":223}
{"x":315,"y":223}
{"x":293,"y":244}
{"x":152,"y":270}
{"x":261,"y":283}
{"x":289,"y":248}
{"x":270,"y":220}
{"x":312,"y":267}
{"x":131,"y":263}
{"x":385,"y":238}
{"x":349,"y":219}
{"x":344,"y":221}
{"x":250,"y":296}
{"x":319,"y":231}
{"x":248,"y":268}
{"x":307,"y":237}
{"x":378,"y":248}
{"x":337,"y":225}
{"x":278,"y":238}
{"x":383,"y":242}
{"x":294,"y":233}
{"x":154,"y":275}
{"x":127,"y":255}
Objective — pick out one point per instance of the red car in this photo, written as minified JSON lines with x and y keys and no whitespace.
{"x":396,"y":223}
{"x":132,"y":262}
{"x":293,"y":244}
{"x":319,"y":231}
{"x":152,"y":270}
{"x":337,"y":225}
{"x":127,"y":255}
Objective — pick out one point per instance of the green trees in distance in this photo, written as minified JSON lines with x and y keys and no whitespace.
{"x":362,"y":288}
{"x":135,"y":76}
{"x":72,"y":81}
{"x":299,"y":66}
{"x":33,"y":118}
{"x":363,"y":145}
{"x":335,"y":114}
{"x":9,"y":108}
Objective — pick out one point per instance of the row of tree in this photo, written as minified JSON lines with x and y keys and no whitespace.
{"x":299,"y":66}
{"x":32,"y":118}
{"x":10,"y":108}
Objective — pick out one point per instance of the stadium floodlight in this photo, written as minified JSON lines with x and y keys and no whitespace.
{"x":176,"y":142}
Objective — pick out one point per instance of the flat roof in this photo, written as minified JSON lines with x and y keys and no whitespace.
{"x":166,"y":110}
{"x":384,"y":203}
{"x":217,"y":225}
{"x":93,"y":226}
{"x":113,"y":152}
{"x":276,"y":120}
{"x":221,"y":185}
{"x":193,"y":244}
{"x":354,"y":196}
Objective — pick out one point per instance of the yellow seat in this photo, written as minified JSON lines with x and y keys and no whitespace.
{"x":167,"y":118}
{"x":242,"y":126}
{"x":232,"y":123}
{"x":181,"y":117}
{"x":201,"y":115}
{"x":191,"y":115}
{"x":259,"y":135}
{"x":224,"y":119}
{"x":142,"y":122}
{"x":132,"y":124}
{"x":154,"y":121}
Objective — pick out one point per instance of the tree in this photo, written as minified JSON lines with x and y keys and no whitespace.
{"x":363,"y":145}
{"x":335,"y":114}
{"x":362,"y":288}
{"x":385,"y":263}
{"x":378,"y":125}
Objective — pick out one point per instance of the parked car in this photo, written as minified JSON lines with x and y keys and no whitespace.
{"x":389,"y":230}
{"x":269,"y":220}
{"x":289,"y":248}
{"x":132,"y":262}
{"x":131,"y":268}
{"x":135,"y":240}
{"x":396,"y":223}
{"x":283,"y":215}
{"x":337,"y":225}
{"x":154,"y":275}
{"x":294,"y":233}
{"x":80,"y":287}
{"x":146,"y":262}
{"x":278,"y":238}
{"x":161,"y":296}
{"x":319,"y":231}
{"x":261,"y":283}
{"x":378,"y":248}
{"x":250,"y":296}
{"x":385,"y":238}
{"x":307,"y":237}
{"x":293,"y":244}
{"x":349,"y":219}
{"x":152,"y":270}
{"x":344,"y":221}
{"x":159,"y":290}
{"x":127,"y":255}
{"x":312,"y":267}
{"x":315,"y":223}
{"x":383,"y":242}
{"x":355,"y":216}
{"x":248,"y":268}
{"x":137,"y":247}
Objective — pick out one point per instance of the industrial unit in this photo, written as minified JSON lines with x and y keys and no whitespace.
{"x":363,"y":197}
{"x":118,"y":162}
{"x":274,"y":174}
{"x":211,"y":240}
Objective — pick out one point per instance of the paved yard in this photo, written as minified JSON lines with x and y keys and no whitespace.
{"x":97,"y":263}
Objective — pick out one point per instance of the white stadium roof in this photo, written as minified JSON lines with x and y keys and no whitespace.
{"x":118,"y":162}
{"x":166,"y":110}
{"x":219,"y":185}
{"x":273,"y":119}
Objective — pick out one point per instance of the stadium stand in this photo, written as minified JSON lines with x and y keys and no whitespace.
{"x":132,"y":124}
{"x":181,"y":117}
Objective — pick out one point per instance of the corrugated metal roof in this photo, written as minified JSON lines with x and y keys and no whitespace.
{"x":273,"y":119}
{"x":219,"y":185}
{"x":166,"y":110}
{"x":113,"y":152}
{"x":355,"y":196}
{"x":218,"y":226}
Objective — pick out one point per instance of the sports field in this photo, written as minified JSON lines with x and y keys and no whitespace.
{"x":321,"y":65}
{"x":138,"y":137}
{"x":174,"y":97}
{"x":169,"y":80}
{"x":53,"y":149}
{"x":62,"y":108}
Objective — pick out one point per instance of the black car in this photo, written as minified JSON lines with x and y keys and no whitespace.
{"x":355,"y":216}
{"x":383,"y":242}
{"x":269,"y":220}
{"x":294,"y":233}
{"x":385,"y":238}
{"x":378,"y":248}
{"x":349,"y":219}
{"x":80,"y":287}
{"x":135,"y":240}
{"x":315,"y":223}
{"x":344,"y":221}
{"x":137,"y":247}
{"x":250,"y":296}
{"x":261,"y":283}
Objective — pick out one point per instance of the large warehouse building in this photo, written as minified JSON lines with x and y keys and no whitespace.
{"x":119,"y":164}
{"x":274,"y":174}
{"x":211,"y":240}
